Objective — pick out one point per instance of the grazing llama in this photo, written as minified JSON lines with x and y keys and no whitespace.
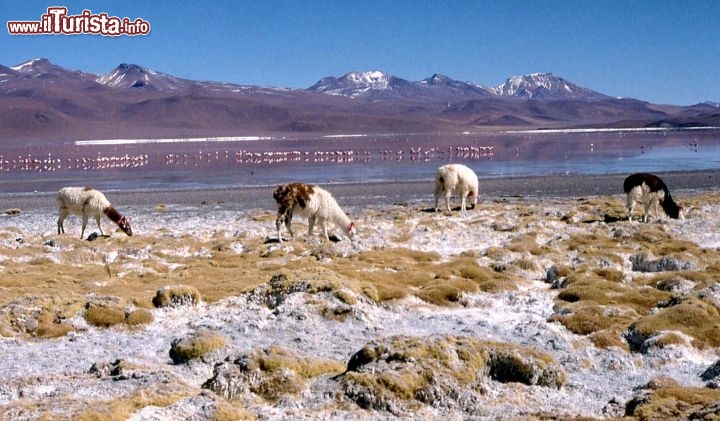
{"x":650,"y":191}
{"x":86,"y":202}
{"x":310,"y":202}
{"x":459,"y":178}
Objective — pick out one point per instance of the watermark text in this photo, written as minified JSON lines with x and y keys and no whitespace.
{"x":57,"y":22}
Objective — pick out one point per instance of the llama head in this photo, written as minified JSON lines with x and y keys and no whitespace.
{"x":124,"y":224}
{"x":350,"y":230}
{"x":683,"y":212}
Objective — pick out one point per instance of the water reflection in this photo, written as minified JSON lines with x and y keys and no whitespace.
{"x":351,"y":159}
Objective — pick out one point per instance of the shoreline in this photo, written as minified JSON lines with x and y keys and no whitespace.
{"x":358,"y":194}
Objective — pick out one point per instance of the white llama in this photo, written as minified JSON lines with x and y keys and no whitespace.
{"x":87,"y":202}
{"x":310,"y":202}
{"x":459,"y":178}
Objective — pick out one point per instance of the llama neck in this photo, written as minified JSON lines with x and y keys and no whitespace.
{"x":342,"y":220}
{"x":112,"y":214}
{"x":670,"y":207}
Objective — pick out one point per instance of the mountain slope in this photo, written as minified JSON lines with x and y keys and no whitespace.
{"x":45,"y":102}
{"x":544,"y":86}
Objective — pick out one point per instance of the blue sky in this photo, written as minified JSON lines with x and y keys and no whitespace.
{"x":659,"y":51}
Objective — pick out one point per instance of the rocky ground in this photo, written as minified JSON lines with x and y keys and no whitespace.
{"x":524,"y":308}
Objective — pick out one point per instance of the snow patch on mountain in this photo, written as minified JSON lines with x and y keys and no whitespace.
{"x":545,"y":86}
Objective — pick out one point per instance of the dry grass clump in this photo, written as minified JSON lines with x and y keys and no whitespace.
{"x":602,"y":292}
{"x":109,"y":314}
{"x":49,"y":326}
{"x":673,"y":401}
{"x":123,"y":407}
{"x":270,"y":373}
{"x":105,"y":316}
{"x":695,"y":317}
{"x":527,"y":243}
{"x":176,"y":295}
{"x":139,"y":317}
{"x":400,"y":372}
{"x":598,"y":304}
{"x":389,"y":274}
{"x":196,"y":346}
{"x":40,"y":316}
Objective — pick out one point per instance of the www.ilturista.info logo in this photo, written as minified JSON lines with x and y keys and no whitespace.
{"x":56,"y":21}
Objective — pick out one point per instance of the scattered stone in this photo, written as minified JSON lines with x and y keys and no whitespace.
{"x":641,"y":263}
{"x":712,"y":372}
{"x":12,"y":211}
{"x":553,"y":277}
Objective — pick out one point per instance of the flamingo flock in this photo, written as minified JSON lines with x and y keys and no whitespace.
{"x":49,"y":163}
{"x":105,"y":161}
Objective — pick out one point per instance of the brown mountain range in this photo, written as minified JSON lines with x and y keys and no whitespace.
{"x":40,"y":101}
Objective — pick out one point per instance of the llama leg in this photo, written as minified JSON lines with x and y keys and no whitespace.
{"x":61,"y":221}
{"x":97,"y":219}
{"x":278,"y":223}
{"x":647,"y":211}
{"x":463,"y":202}
{"x":84,"y":224}
{"x":630,"y":206}
{"x":448,"y":193}
{"x":289,"y":227}
{"x":438,"y":192}
{"x":323,"y":224}
{"x":311,"y":225}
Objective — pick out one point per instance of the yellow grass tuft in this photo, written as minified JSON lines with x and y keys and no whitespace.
{"x":196,"y":346}
{"x":176,"y":295}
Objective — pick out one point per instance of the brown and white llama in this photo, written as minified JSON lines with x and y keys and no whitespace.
{"x":312,"y":203}
{"x":87,"y":202}
{"x":458,"y":178}
{"x":651,"y":192}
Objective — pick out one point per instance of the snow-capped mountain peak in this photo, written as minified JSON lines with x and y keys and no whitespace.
{"x":33,"y":66}
{"x":135,"y":76}
{"x":545,"y":86}
{"x":354,"y":84}
{"x":373,"y":77}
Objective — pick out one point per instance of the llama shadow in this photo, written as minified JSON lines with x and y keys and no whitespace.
{"x":606,"y":218}
{"x":441,"y":210}
{"x":272,"y":240}
{"x":94,"y":236}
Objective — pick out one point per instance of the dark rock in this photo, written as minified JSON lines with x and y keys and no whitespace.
{"x":641,"y":263}
{"x":712,"y":372}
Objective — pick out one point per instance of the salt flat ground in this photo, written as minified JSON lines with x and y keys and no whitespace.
{"x":412,"y":277}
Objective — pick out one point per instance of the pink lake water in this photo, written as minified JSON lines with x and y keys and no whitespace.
{"x":234,"y":163}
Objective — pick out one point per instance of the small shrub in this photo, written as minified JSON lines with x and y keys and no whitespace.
{"x":139,"y":317}
{"x":54,"y":330}
{"x":104,"y":316}
{"x":346,"y":297}
{"x":195,"y":346}
{"x":176,"y":295}
{"x":694,"y":317}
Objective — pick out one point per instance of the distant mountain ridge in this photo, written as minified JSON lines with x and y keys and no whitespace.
{"x":380,"y":85}
{"x":40,"y":100}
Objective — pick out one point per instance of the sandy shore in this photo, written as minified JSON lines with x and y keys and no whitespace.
{"x":359,"y":195}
